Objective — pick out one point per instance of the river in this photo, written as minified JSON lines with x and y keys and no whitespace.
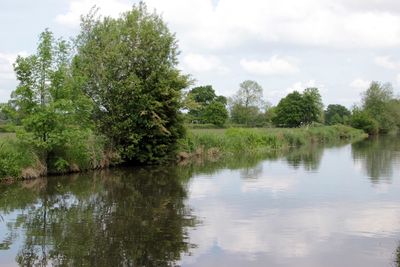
{"x":316,"y":206}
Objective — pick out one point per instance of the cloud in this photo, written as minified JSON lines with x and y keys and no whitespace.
{"x":273,"y":66}
{"x":77,"y":8}
{"x":229,"y":23}
{"x":300,"y":86}
{"x":6,"y":65}
{"x":203,"y":63}
{"x":387,"y":63}
{"x":360,"y":84}
{"x":7,"y":76}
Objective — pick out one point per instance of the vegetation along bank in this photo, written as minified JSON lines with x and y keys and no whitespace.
{"x":115,"y":94}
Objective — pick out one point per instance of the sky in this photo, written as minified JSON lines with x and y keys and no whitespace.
{"x":339,"y":46}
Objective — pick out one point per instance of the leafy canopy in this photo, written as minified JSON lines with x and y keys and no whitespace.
{"x":127,"y":66}
{"x":297,"y":109}
{"x":47,"y":102}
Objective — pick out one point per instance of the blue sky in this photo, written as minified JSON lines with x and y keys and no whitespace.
{"x":338,"y":46}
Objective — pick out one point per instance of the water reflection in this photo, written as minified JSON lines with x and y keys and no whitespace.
{"x":378,"y":156}
{"x":311,"y":207}
{"x":132,"y":218}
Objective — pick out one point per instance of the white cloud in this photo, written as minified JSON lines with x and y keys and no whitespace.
{"x":7,"y":76}
{"x":398,"y":79}
{"x":203,"y":63}
{"x":387,"y":63}
{"x":77,"y":8}
{"x":300,"y":86}
{"x":229,"y":23}
{"x":360,"y":84}
{"x":273,"y":66}
{"x":6,"y":65}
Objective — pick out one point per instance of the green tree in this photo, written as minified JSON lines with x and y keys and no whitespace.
{"x":335,"y":114}
{"x":289,"y":111}
{"x":312,"y":106}
{"x":216,"y":113}
{"x":3,"y":115}
{"x":360,"y":119}
{"x":128,"y":67}
{"x":376,"y":103}
{"x":206,"y":102}
{"x":245,"y":105}
{"x":50,"y":107}
{"x":298,"y":109}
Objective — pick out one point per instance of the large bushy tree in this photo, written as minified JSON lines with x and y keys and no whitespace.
{"x":335,"y":114}
{"x":128,"y":67}
{"x":208,"y":107}
{"x":376,"y":103}
{"x":298,"y":109}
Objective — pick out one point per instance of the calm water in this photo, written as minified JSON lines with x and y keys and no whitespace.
{"x":332,"y":206}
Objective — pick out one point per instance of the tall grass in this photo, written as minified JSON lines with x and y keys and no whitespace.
{"x":81,"y":151}
{"x":241,"y":140}
{"x":14,"y":157}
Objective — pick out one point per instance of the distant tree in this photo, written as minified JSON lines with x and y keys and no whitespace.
{"x":290,"y":111}
{"x":394,"y":111}
{"x":203,"y":94}
{"x":360,"y":119}
{"x":206,"y":102}
{"x":312,"y":106}
{"x":128,"y":67}
{"x":270,"y":114}
{"x":216,"y":113}
{"x":376,"y":102}
{"x":3,"y":115}
{"x":335,"y":114}
{"x":245,"y":105}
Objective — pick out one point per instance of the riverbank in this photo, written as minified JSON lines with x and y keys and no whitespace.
{"x":20,"y":161}
{"x":214,"y":143}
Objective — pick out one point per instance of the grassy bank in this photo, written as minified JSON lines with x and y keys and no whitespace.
{"x":217,"y":142}
{"x":20,"y":160}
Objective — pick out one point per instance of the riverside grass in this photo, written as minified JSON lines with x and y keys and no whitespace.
{"x":257,"y":140}
{"x":19,"y":160}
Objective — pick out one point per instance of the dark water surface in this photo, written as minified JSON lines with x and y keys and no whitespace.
{"x":332,"y":206}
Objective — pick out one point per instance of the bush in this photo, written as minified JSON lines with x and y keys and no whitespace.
{"x":14,"y":157}
{"x":361,"y":120}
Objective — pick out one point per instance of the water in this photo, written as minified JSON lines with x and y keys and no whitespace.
{"x":332,"y":206}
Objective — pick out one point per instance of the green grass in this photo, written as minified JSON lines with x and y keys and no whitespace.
{"x":82,"y":151}
{"x":14,"y":157}
{"x":248,"y":140}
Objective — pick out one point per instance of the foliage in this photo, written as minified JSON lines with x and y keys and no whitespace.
{"x":298,"y":109}
{"x":216,"y":113}
{"x":46,"y":101}
{"x":289,"y":111}
{"x":312,"y":106}
{"x":360,"y":119}
{"x":336,"y":114}
{"x":245,"y":105}
{"x":208,"y":108}
{"x":375,"y":103}
{"x":128,"y":68}
{"x":14,"y":157}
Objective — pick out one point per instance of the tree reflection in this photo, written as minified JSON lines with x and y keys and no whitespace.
{"x":377,"y":156}
{"x":307,"y":156}
{"x":118,"y":218}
